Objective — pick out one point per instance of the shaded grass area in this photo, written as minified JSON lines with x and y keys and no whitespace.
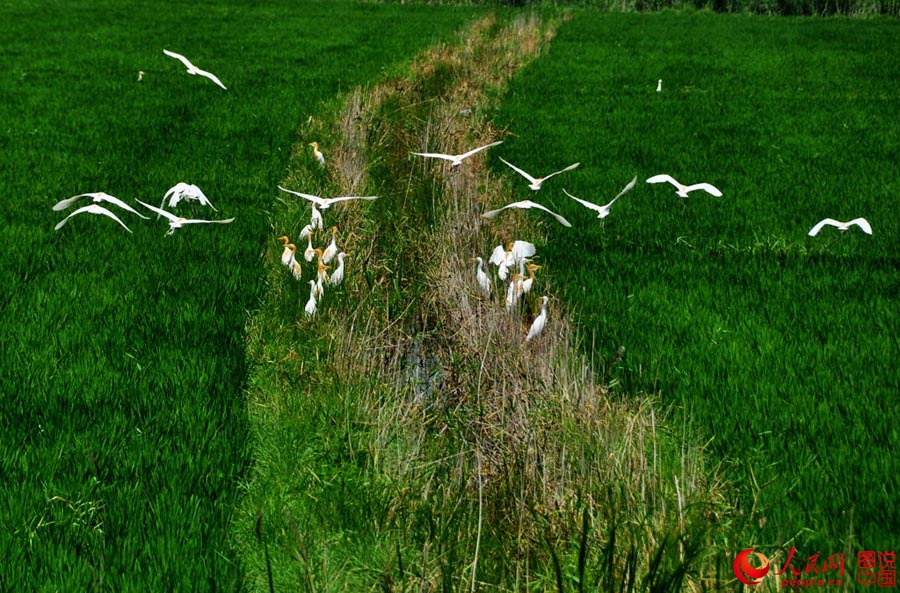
{"x":124,"y":429}
{"x":779,"y":346}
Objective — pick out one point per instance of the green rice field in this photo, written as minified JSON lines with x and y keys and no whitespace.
{"x":123,"y":428}
{"x":127,"y":450}
{"x":779,"y":348}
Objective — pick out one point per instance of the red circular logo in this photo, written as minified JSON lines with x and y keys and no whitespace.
{"x":745,"y":572}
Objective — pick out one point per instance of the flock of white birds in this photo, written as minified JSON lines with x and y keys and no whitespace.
{"x":516,"y":255}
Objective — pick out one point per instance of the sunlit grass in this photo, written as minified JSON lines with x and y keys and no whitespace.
{"x":124,"y":427}
{"x":777,"y":345}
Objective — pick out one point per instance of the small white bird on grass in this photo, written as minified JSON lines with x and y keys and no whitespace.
{"x":529,"y":282}
{"x":325,"y":203}
{"x":176,"y":222}
{"x":841,"y":226}
{"x":332,"y":248}
{"x":318,"y":153}
{"x":513,"y":291}
{"x":92,"y":209}
{"x":603,"y":211}
{"x":684,"y":190}
{"x":481,"y":277}
{"x":310,"y":253}
{"x":315,"y":218}
{"x":191,"y":69}
{"x":97,"y":198}
{"x":338,"y":276}
{"x":456,"y":159}
{"x":659,"y":86}
{"x":539,"y":322}
{"x":525,"y":204}
{"x":305,"y":231}
{"x":535,"y":182}
{"x":185,"y":191}
{"x":310,"y":307}
{"x":514,"y":253}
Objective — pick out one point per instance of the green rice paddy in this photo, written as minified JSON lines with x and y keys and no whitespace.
{"x":124,"y":438}
{"x":123,"y":428}
{"x":778,"y":347}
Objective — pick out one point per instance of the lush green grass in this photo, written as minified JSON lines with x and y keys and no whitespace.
{"x":123,"y":430}
{"x":780,"y":347}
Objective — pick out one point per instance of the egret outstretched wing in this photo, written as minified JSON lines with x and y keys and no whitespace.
{"x":97,"y":197}
{"x":524,"y":204}
{"x":92,"y":209}
{"x":519,"y":171}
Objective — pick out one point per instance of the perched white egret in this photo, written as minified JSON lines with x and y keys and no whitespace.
{"x":185,"y":191}
{"x":318,"y":153}
{"x":841,"y":226}
{"x":140,"y":75}
{"x":539,"y":322}
{"x":535,"y":182}
{"x":97,"y":198}
{"x":305,"y":231}
{"x":684,"y":190}
{"x":323,"y":271}
{"x":603,"y":211}
{"x":481,"y":277}
{"x":659,"y":86}
{"x":191,"y":69}
{"x":338,"y":276}
{"x":288,"y":254}
{"x":513,"y":291}
{"x":325,"y":203}
{"x":524,"y":204}
{"x":332,"y":248}
{"x":315,"y":218}
{"x":176,"y":222}
{"x":529,"y":282}
{"x":296,"y":270}
{"x":515,"y":252}
{"x":309,"y":253}
{"x":92,"y":209}
{"x":456,"y":159}
{"x":310,"y":307}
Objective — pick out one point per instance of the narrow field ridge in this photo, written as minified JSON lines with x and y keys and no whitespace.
{"x":430,"y":445}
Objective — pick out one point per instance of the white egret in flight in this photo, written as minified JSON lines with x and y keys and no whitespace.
{"x":191,"y":69}
{"x":841,"y":226}
{"x":185,"y":191}
{"x":539,"y":322}
{"x":92,"y":209}
{"x":97,"y":197}
{"x":535,"y":182}
{"x":456,"y":159}
{"x":318,"y":153}
{"x":603,"y":211}
{"x":325,"y":203}
{"x":684,"y":190}
{"x":524,"y":204}
{"x":176,"y":222}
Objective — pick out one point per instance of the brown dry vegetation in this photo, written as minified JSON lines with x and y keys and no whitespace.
{"x":462,"y":413}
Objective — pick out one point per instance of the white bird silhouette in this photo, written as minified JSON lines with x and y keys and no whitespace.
{"x":191,"y":69}
{"x":481,"y":277}
{"x":176,"y":222}
{"x":603,"y":211}
{"x":659,"y":86}
{"x":332,"y":248}
{"x":315,"y":218}
{"x":310,"y":307}
{"x":185,"y":191}
{"x":338,"y":276}
{"x":527,"y":204}
{"x":325,"y":203}
{"x":529,"y":282}
{"x":535,"y":182}
{"x":841,"y":226}
{"x":318,"y":153}
{"x":456,"y":159}
{"x":513,"y":291}
{"x":309,"y":253}
{"x":515,"y":252}
{"x":305,"y":231}
{"x":539,"y":322}
{"x":684,"y":190}
{"x":97,"y":197}
{"x":92,"y":209}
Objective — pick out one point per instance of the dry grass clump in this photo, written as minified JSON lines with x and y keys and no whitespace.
{"x":511,"y":441}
